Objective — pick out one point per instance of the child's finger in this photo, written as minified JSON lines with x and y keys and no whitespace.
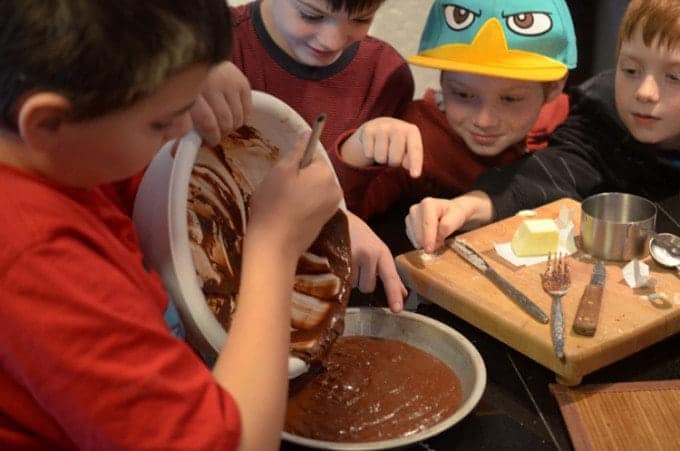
{"x":397,"y":148}
{"x":367,"y":274}
{"x":414,"y":154}
{"x":233,"y":100}
{"x":381,"y":148}
{"x":429,"y":224}
{"x":247,"y":102}
{"x":367,"y":141}
{"x":221,"y":110}
{"x":205,"y":121}
{"x":395,"y":291}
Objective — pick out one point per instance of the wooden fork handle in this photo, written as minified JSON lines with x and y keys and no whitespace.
{"x":588,"y":311}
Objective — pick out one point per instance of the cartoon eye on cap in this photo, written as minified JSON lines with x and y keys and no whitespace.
{"x":458,"y":18}
{"x":506,"y":38}
{"x":529,"y":24}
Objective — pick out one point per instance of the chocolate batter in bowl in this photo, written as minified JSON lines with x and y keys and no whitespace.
{"x":222,"y":182}
{"x":394,"y":416}
{"x":191,"y":211}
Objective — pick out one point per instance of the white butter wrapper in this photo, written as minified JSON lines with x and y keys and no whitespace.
{"x":636,"y":274}
{"x":566,"y":244}
{"x":565,"y":218}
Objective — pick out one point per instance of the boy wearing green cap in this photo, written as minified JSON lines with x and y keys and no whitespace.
{"x":622,"y":135}
{"x":503,"y":71}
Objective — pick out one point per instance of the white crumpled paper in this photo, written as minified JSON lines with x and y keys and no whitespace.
{"x":636,"y":274}
{"x":566,"y":245}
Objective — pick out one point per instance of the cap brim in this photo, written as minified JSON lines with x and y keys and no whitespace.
{"x":521,"y":67}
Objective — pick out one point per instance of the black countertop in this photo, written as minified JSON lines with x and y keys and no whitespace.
{"x":517,"y":410}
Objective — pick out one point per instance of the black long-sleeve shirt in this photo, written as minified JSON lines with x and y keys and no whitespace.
{"x":591,"y":152}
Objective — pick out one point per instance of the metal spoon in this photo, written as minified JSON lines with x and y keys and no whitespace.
{"x":665,"y":250}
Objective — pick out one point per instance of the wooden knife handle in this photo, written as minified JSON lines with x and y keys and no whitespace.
{"x":588,"y":311}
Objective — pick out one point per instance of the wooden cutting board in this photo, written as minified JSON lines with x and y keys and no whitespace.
{"x":627,"y":324}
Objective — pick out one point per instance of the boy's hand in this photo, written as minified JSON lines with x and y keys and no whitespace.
{"x":371,"y":257}
{"x":432,"y":220}
{"x":224,"y":104}
{"x":291,"y":205}
{"x":388,"y":141}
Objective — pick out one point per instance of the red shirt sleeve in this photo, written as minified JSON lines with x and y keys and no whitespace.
{"x":95,"y":364}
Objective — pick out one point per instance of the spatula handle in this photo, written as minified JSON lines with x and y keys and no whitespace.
{"x":588,"y":311}
{"x":317,"y":128}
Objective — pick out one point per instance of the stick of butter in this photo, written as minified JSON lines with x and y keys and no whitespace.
{"x":535,"y":237}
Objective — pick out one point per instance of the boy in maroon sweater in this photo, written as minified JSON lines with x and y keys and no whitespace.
{"x":316,"y":56}
{"x":502,"y":78}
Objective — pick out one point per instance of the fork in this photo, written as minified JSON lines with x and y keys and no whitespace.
{"x":556,"y":281}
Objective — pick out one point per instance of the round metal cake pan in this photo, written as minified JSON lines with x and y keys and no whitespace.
{"x":429,"y":335}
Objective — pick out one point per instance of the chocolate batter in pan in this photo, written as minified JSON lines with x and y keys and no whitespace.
{"x":372,"y":389}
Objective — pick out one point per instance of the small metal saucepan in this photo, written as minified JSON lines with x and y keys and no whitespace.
{"x":617,"y":226}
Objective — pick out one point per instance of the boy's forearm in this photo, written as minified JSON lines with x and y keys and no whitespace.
{"x":253,"y":365}
{"x":477,"y":207}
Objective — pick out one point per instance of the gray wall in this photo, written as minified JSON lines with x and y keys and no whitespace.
{"x":609,"y":13}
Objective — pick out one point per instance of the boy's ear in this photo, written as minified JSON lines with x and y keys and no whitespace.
{"x":39,"y":118}
{"x":554,"y":88}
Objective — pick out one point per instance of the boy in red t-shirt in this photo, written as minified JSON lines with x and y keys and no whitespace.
{"x":88,"y":360}
{"x":317,"y":57}
{"x":503,"y":71}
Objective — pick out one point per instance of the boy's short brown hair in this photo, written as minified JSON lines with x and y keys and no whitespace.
{"x":659,"y":19}
{"x":104,"y":55}
{"x":354,"y":6}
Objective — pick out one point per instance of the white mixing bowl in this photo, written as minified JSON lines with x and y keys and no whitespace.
{"x":160,"y":217}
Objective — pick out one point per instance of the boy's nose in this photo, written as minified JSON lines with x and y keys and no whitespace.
{"x":333,"y":37}
{"x":485,"y":118}
{"x":648,"y":91}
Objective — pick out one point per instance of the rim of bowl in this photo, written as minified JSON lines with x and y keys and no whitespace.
{"x":465,"y":408}
{"x":183,"y":269}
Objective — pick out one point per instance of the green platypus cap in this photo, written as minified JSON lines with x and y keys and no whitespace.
{"x":520,"y":39}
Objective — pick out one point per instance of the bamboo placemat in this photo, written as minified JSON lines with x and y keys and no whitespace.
{"x":622,"y":416}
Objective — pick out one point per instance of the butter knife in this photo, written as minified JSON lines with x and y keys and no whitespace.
{"x":476,"y":260}
{"x":588,"y":311}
